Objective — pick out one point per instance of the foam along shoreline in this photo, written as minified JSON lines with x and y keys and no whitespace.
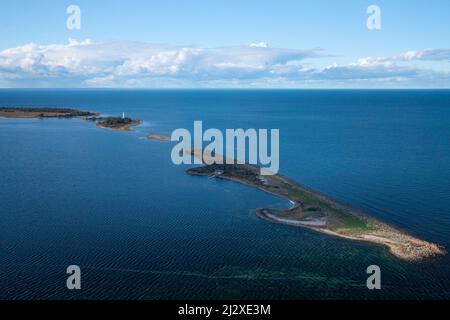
{"x":316,"y":222}
{"x":313,"y":210}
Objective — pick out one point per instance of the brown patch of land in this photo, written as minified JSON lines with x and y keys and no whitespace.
{"x":157,"y":137}
{"x":313,"y":210}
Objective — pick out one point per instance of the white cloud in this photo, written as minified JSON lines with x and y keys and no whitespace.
{"x":131,"y":64}
{"x":427,"y":55}
{"x":261,"y":44}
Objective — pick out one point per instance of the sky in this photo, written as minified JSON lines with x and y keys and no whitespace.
{"x":225,"y":43}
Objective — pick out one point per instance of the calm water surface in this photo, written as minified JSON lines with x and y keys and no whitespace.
{"x":139,"y":227}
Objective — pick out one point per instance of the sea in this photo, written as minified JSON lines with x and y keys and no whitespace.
{"x":139,"y":227}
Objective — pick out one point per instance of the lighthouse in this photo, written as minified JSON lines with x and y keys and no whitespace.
{"x":123,"y":115}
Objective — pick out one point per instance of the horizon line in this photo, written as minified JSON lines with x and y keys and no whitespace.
{"x":220,"y":88}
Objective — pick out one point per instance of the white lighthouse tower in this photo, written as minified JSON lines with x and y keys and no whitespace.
{"x":123,"y":115}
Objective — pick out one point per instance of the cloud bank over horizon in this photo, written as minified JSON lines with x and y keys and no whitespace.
{"x":125,"y":64}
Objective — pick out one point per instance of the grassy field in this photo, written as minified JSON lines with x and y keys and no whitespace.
{"x":338,"y":219}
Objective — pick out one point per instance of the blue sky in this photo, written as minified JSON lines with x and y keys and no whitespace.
{"x":208,"y":44}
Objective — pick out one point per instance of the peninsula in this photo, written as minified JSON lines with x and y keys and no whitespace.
{"x":316,"y":211}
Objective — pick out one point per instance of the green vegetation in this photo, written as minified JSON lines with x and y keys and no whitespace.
{"x":346,"y":222}
{"x":44,"y":112}
{"x":115,"y":121}
{"x":339,"y":219}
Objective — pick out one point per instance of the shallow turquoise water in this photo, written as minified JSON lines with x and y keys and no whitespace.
{"x":139,"y":227}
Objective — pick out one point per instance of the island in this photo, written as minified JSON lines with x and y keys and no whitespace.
{"x":313,"y":210}
{"x":44,"y":112}
{"x":116,"y":123}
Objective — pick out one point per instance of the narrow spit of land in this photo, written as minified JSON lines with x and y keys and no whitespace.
{"x":313,"y":210}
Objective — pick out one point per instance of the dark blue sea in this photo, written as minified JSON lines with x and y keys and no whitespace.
{"x":140,"y":228}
